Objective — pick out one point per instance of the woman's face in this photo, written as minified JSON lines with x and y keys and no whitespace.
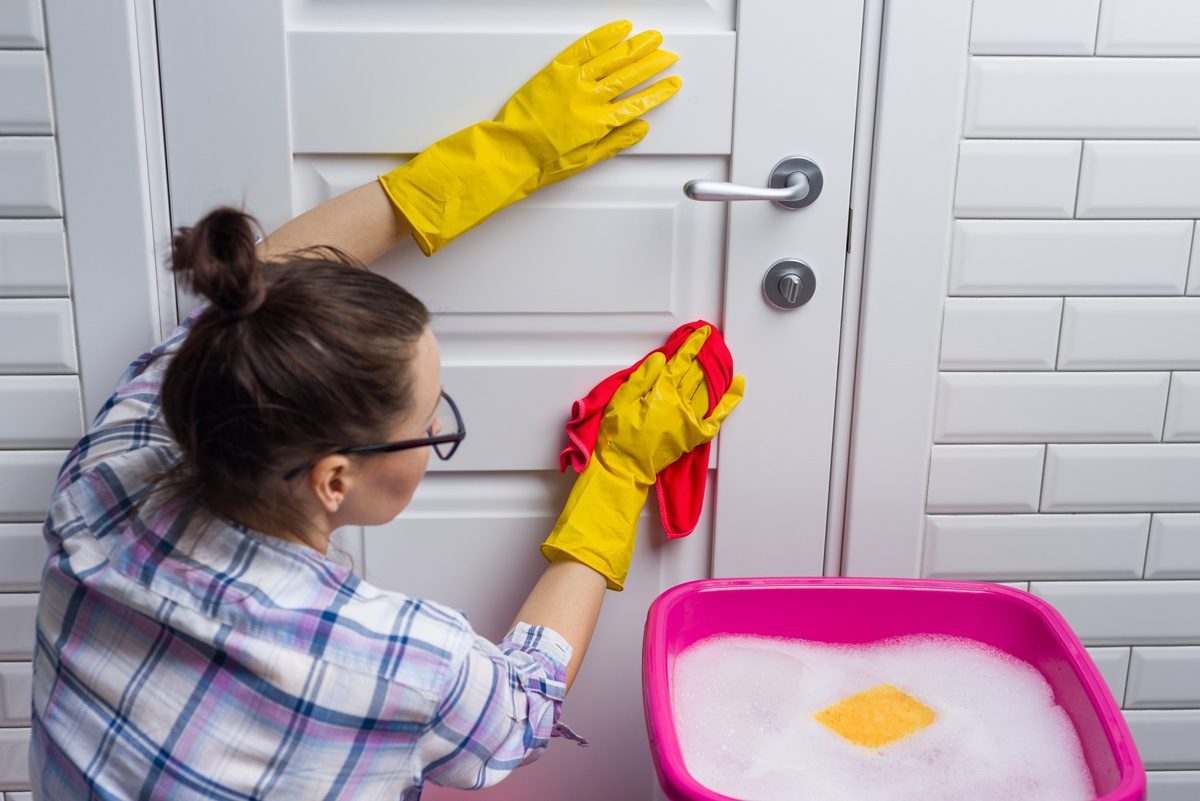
{"x":383,"y":483}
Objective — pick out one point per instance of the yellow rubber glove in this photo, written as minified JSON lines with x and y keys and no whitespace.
{"x":649,"y":423}
{"x":565,"y":119}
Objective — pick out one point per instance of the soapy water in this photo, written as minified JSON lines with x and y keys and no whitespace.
{"x":744,"y":709}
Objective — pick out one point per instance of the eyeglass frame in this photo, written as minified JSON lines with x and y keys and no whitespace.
{"x":400,"y":445}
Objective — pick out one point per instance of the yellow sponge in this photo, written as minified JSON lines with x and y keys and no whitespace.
{"x":877,"y":716}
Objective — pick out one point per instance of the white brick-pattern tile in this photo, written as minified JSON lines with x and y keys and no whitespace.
{"x":1070,"y":257}
{"x":999,"y":547}
{"x":24,"y":93}
{"x":18,"y":796}
{"x":985,"y":478}
{"x":14,"y":759}
{"x":1164,"y":677}
{"x":26,"y":483}
{"x":21,"y":24}
{"x":29,"y":165}
{"x":1055,"y":98}
{"x":1139,"y":180}
{"x":40,"y":411}
{"x":1172,"y":785}
{"x":1193,"y":285}
{"x":1122,"y":478}
{"x":1127,"y":612}
{"x":1166,"y":738}
{"x":18,"y":613}
{"x":1149,"y":28}
{"x":24,"y":555}
{"x":1113,"y":664}
{"x":37,"y":335}
{"x":16,"y":693}
{"x":1000,"y":333}
{"x":1130,"y":334}
{"x":1049,"y":407}
{"x":1183,"y":409}
{"x":1009,"y":178}
{"x":1034,"y":27}
{"x":33,"y":259}
{"x":1174,"y":551}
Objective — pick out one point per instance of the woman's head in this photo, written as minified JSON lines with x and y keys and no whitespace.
{"x":294,"y":360}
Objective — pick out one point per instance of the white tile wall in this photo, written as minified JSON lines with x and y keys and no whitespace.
{"x":1149,"y":28}
{"x":24,"y":93}
{"x":1034,"y":27}
{"x":1041,"y":407}
{"x":21,"y":24}
{"x":29,"y":165}
{"x":14,"y":759}
{"x":25,"y":553}
{"x":33,"y":259}
{"x":1000,"y":333}
{"x":1122,"y":478}
{"x":1164,"y":677}
{"x":1193,"y":286}
{"x":1070,"y":257}
{"x":1009,"y":178}
{"x":1130,"y":334}
{"x":16,"y":693}
{"x":28,"y":797}
{"x":1174,"y":551}
{"x":1166,"y":739}
{"x":18,"y":611}
{"x":1127,"y":612}
{"x":37,"y":335}
{"x":1173,"y":785}
{"x":1113,"y":664}
{"x":1139,"y":179}
{"x":1183,"y":409}
{"x":40,"y":411}
{"x":999,"y":547}
{"x":26,"y":481}
{"x":985,"y":478}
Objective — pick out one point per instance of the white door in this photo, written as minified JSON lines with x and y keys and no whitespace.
{"x":279,"y":105}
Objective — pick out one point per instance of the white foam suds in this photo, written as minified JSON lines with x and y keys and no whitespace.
{"x":744,"y":714}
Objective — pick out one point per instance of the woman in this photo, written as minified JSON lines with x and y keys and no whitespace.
{"x":194,"y":642}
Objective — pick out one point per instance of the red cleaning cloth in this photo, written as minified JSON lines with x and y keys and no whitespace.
{"x":680,"y":485}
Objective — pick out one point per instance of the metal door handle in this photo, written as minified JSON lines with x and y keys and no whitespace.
{"x":794,"y":183}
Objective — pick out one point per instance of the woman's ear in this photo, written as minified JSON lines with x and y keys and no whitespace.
{"x":329,"y":481}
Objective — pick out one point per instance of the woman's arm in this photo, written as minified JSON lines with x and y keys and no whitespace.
{"x":566,"y":599}
{"x":362,"y":223}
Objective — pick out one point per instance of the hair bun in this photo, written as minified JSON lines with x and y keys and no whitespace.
{"x":217,"y":259}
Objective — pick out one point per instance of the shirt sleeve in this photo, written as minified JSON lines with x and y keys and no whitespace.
{"x":499,"y":708}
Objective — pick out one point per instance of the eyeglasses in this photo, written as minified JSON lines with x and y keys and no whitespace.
{"x":444,"y":444}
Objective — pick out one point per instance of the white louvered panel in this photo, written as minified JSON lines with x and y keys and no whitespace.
{"x":40,"y":411}
{"x":1165,"y":677}
{"x":18,"y":613}
{"x":1127,"y":612}
{"x":21,"y":24}
{"x":1055,"y":98}
{"x":985,"y":478}
{"x":24,"y":93}
{"x":335,"y":111}
{"x":1149,"y":28}
{"x":26,"y":482}
{"x":29,"y":165}
{"x":1033,"y":27}
{"x":1140,"y":179}
{"x":1113,"y":664}
{"x":1167,"y":739}
{"x":24,"y":554}
{"x":1070,"y":257}
{"x":16,"y":691}
{"x":37,"y":336}
{"x":1174,"y":550}
{"x":1130,"y":334}
{"x":1050,"y":407}
{"x":33,"y":258}
{"x":1183,"y":409}
{"x":1000,"y":333}
{"x":1000,"y":547}
{"x":1010,"y":178}
{"x":1122,"y":478}
{"x":14,"y":759}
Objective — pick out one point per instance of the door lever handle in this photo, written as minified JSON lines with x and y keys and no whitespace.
{"x":794,"y":183}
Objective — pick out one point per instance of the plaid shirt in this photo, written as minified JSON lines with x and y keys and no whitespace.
{"x":240,"y":666}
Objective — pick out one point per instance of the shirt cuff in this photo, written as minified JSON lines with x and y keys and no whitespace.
{"x":549,"y":648}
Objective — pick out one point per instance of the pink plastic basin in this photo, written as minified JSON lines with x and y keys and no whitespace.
{"x":854,"y":610}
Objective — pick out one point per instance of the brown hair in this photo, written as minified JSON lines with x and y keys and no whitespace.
{"x":294,"y":359}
